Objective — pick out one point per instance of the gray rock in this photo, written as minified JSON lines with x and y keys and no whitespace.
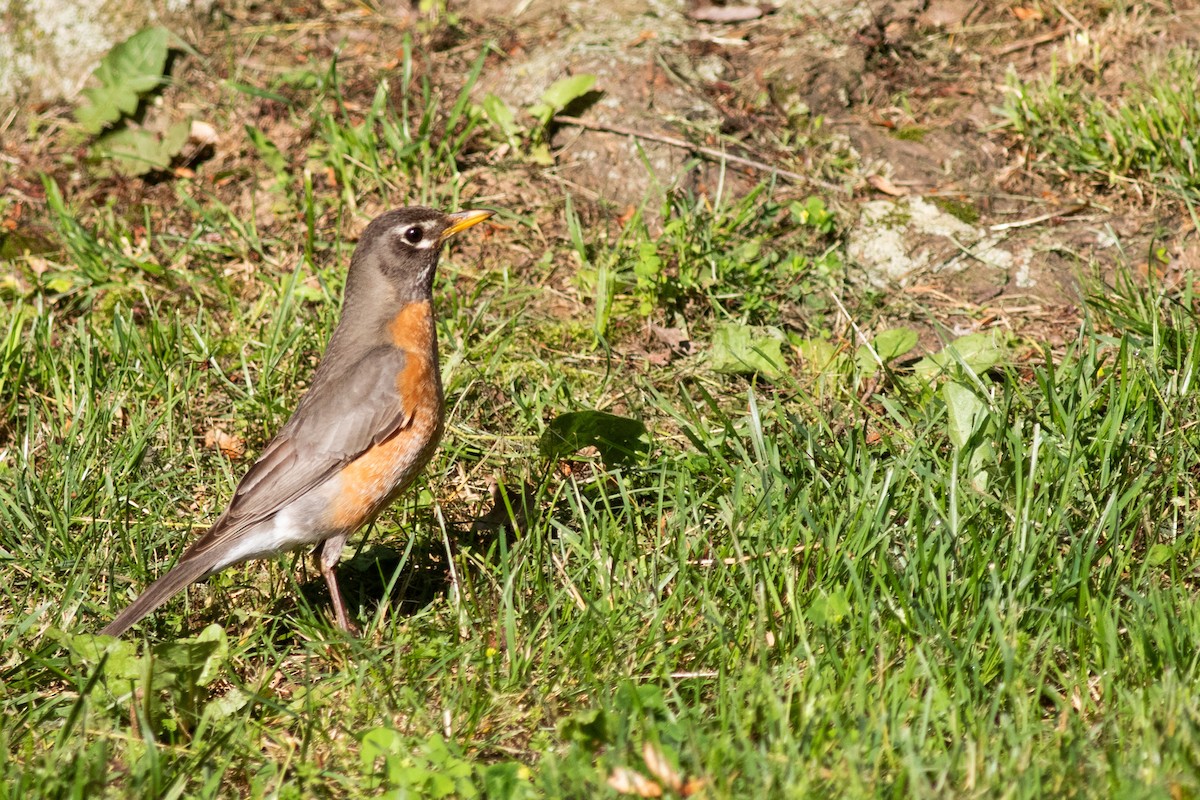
{"x":898,"y":241}
{"x":48,"y":48}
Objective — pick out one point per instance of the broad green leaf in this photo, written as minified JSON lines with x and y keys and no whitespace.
{"x":745,"y":349}
{"x":540,"y":154}
{"x":137,"y":63}
{"x":563,"y":92}
{"x":649,"y":264}
{"x":814,"y":213}
{"x":192,"y":662}
{"x":964,"y":412}
{"x":60,"y":284}
{"x":227,"y":704}
{"x":175,"y":138}
{"x":829,"y":607}
{"x":590,"y":728}
{"x":502,"y":117}
{"x":380,"y":742}
{"x":508,"y":780}
{"x":100,"y":110}
{"x":129,"y":71}
{"x":560,"y":95}
{"x":620,"y":440}
{"x":979,"y":351}
{"x":1159,"y":554}
{"x":123,"y":659}
{"x":136,"y":151}
{"x":895,"y":342}
{"x":819,"y":355}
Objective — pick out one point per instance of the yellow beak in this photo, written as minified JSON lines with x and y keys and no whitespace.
{"x":463,"y":220}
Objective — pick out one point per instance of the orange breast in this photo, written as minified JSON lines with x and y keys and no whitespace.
{"x":376,"y":477}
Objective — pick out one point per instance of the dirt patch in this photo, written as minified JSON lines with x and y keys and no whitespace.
{"x":871,"y":103}
{"x":909,"y":87}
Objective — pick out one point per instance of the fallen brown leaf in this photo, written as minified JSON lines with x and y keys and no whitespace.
{"x":661,"y":768}
{"x":627,"y":781}
{"x":521,"y":501}
{"x":725,"y":13}
{"x":945,"y":13}
{"x":882,"y":184}
{"x":231,"y":446}
{"x":643,"y":37}
{"x":202,"y":133}
{"x":674,"y":338}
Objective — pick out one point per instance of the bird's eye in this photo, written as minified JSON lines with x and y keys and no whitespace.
{"x":413,"y":235}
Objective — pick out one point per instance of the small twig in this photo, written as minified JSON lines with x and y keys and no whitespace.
{"x":862,"y":338}
{"x":1066,"y":13}
{"x":1024,"y":223}
{"x":1044,"y":38}
{"x":570,"y":585}
{"x":708,"y":151}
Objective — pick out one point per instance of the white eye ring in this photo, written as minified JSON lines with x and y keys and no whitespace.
{"x":414,"y":234}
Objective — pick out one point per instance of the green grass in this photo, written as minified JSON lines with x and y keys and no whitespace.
{"x":1146,"y":132}
{"x":988,"y":590}
{"x":779,"y":608}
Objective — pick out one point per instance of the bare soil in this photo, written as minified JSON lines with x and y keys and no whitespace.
{"x":869,"y":101}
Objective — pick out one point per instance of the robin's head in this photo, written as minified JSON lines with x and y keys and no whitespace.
{"x":404,"y":245}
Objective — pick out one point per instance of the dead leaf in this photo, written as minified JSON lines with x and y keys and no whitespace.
{"x":522,"y":505}
{"x":1025,"y":13}
{"x":675,"y":338}
{"x":202,"y":133}
{"x":725,"y":13}
{"x":692,"y":786}
{"x":660,"y":767}
{"x":233,"y":447}
{"x":882,"y":121}
{"x":643,"y":37}
{"x":627,"y":781}
{"x":882,"y":184}
{"x":946,"y":13}
{"x":243,"y":269}
{"x":14,"y":213}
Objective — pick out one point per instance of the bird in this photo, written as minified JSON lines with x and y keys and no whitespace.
{"x":369,"y":422}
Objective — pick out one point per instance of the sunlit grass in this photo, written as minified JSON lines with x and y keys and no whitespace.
{"x":804,"y":588}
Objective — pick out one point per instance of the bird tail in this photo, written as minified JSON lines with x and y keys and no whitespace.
{"x":159,"y":592}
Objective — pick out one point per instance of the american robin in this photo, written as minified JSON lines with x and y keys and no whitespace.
{"x":366,"y":427}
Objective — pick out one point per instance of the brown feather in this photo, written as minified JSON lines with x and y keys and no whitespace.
{"x":159,"y":592}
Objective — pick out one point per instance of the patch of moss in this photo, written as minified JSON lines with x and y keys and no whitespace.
{"x":15,"y":244}
{"x":910,"y":133}
{"x":959,"y":209}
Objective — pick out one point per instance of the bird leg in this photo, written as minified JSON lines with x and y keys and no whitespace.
{"x":327,"y":561}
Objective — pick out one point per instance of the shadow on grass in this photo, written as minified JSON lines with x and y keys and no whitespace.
{"x":407,"y":580}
